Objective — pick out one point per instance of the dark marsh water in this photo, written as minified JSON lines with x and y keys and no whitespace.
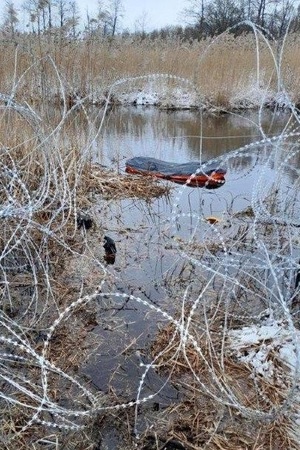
{"x":148,"y":265}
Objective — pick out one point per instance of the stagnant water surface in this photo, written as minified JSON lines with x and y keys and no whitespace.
{"x":182,"y":135}
{"x":147,"y":263}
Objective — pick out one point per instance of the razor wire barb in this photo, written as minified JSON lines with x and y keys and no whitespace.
{"x":238,"y":269}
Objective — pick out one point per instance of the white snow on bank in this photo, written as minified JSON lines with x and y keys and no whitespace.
{"x":264,"y":346}
{"x":178,"y":93}
{"x":162,"y":96}
{"x":252,"y":94}
{"x":248,"y":94}
{"x":140,"y":98}
{"x":271,"y":349}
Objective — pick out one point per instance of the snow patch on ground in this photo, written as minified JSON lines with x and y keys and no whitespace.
{"x":282,"y":100}
{"x":178,"y":93}
{"x":271,"y":349}
{"x":161,"y":95}
{"x":252,"y":94}
{"x":139,"y":97}
{"x":264,"y":346}
{"x":173,"y":94}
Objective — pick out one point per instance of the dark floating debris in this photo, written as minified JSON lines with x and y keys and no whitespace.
{"x":211,"y":176}
{"x":110,"y":250}
{"x":84,"y":221}
{"x":297,"y":280}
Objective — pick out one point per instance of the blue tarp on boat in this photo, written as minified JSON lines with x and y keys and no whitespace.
{"x":193,"y":173}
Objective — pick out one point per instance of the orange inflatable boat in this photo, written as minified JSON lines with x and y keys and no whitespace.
{"x":192,"y":173}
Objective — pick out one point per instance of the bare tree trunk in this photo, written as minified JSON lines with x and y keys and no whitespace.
{"x":49,"y":15}
{"x":113,"y":31}
{"x":261,"y":13}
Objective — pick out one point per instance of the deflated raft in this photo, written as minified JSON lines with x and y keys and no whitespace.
{"x":190,"y":173}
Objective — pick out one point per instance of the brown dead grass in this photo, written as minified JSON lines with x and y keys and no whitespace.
{"x":198,"y":425}
{"x":112,"y":185}
{"x":51,"y":182}
{"x":88,"y":68}
{"x":198,"y":420}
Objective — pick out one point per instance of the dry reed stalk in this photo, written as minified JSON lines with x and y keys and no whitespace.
{"x":112,"y":185}
{"x":198,"y":421}
{"x":46,"y":180}
{"x":88,"y":68}
{"x":46,"y":265}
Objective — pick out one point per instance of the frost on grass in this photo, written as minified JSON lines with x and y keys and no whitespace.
{"x":158,"y":91}
{"x":252,"y":93}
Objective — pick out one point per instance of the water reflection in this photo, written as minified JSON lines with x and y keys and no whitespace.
{"x":181,"y":136}
{"x":153,"y":237}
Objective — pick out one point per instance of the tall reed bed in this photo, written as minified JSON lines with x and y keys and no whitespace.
{"x":219,"y":69}
{"x":232,"y":278}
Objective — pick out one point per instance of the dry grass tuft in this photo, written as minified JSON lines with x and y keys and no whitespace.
{"x":203,"y":418}
{"x":112,"y":185}
{"x":49,"y":277}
